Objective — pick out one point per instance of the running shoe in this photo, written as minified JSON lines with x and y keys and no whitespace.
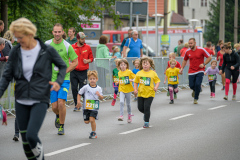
{"x":135,"y":99}
{"x":168,"y":94}
{"x":171,"y":102}
{"x":146,"y":125}
{"x":93,"y":135}
{"x":61,"y":131}
{"x":193,"y":94}
{"x":175,"y":96}
{"x":113,"y":102}
{"x":234,"y":97}
{"x":213,"y":95}
{"x":57,"y":123}
{"x":226,"y":97}
{"x":195,"y":101}
{"x":129,"y":120}
{"x":38,"y":152}
{"x":76,"y":109}
{"x":16,"y":137}
{"x":120,"y":118}
{"x":223,"y":88}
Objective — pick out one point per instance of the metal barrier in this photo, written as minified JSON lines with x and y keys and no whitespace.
{"x":105,"y":68}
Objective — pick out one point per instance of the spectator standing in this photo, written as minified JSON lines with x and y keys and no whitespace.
{"x":125,"y":39}
{"x":184,"y":49}
{"x":9,"y":39}
{"x":2,"y":46}
{"x":135,"y":46}
{"x":1,"y":26}
{"x":78,"y":77}
{"x":180,"y":46}
{"x":71,"y":36}
{"x":218,"y":45}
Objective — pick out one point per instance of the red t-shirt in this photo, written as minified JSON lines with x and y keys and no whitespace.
{"x":182,"y":51}
{"x":178,"y":65}
{"x":196,"y":58}
{"x":221,"y":58}
{"x":209,"y":51}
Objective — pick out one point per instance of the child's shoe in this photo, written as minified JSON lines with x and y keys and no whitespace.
{"x":234,"y":97}
{"x":146,"y":125}
{"x":120,"y":118}
{"x":129,"y":120}
{"x":213,"y":95}
{"x":226,"y":97}
{"x":171,"y":102}
{"x":113,"y":102}
{"x":93,"y":135}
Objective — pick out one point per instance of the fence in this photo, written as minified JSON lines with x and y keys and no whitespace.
{"x":105,"y":68}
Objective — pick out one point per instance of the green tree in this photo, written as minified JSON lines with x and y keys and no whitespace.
{"x":212,"y":26}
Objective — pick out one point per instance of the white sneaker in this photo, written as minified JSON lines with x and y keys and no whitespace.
{"x":38,"y":151}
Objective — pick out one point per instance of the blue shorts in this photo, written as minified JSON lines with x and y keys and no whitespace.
{"x":62,"y":93}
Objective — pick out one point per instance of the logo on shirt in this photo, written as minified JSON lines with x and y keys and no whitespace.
{"x":60,"y":50}
{"x":84,"y":51}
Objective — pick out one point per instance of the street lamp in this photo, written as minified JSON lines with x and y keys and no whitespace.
{"x":156,"y":29}
{"x":194,"y":23}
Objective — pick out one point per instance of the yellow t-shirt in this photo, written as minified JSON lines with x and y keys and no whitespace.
{"x":172,"y":75}
{"x":125,"y":85}
{"x":146,"y":79}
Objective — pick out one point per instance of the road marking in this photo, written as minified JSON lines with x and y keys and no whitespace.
{"x":183,"y":116}
{"x":217,"y":107}
{"x":134,"y":130}
{"x":66,"y":149}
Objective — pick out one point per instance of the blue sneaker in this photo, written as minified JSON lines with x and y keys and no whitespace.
{"x":57,"y":123}
{"x":146,"y":125}
{"x":61,"y":131}
{"x":93,"y":135}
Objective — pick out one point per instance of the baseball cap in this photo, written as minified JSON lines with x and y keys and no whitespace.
{"x":81,"y":35}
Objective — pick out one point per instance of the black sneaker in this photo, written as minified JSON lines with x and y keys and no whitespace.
{"x":76,"y":109}
{"x":93,"y":135}
{"x":171,"y":102}
{"x":16,"y":138}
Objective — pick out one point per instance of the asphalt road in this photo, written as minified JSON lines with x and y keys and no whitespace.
{"x":209,"y":130}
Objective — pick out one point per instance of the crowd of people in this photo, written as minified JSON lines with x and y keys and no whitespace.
{"x":44,"y":71}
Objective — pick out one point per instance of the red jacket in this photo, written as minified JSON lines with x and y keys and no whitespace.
{"x":84,"y":52}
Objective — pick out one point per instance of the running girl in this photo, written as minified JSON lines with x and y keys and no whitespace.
{"x":146,"y":91}
{"x":92,"y":93}
{"x":125,"y":88}
{"x":212,"y":77}
{"x":231,"y":68}
{"x":172,"y":76}
{"x":115,"y":79}
{"x":136,"y":63}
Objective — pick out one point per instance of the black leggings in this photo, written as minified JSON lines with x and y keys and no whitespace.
{"x":212,"y":86}
{"x":30,"y":119}
{"x":233,"y":73}
{"x":144,"y":105}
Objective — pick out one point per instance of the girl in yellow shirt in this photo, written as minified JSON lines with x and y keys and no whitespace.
{"x":125,"y":88}
{"x":146,"y":90}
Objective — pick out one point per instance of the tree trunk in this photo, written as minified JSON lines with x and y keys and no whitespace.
{"x":4,"y":15}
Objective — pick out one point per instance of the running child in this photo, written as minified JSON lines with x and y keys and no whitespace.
{"x":136,"y":63}
{"x":172,"y":76}
{"x":146,"y":90}
{"x":92,"y":93}
{"x":115,"y":79}
{"x":125,"y":88}
{"x":212,"y":77}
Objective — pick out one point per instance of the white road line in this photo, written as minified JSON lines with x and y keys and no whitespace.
{"x":134,"y":130}
{"x":217,"y":107}
{"x":66,"y":149}
{"x":183,"y":116}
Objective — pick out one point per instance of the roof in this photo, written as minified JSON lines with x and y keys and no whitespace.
{"x":178,"y":19}
{"x":151,"y":7}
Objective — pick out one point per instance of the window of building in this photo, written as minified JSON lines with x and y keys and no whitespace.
{"x":204,"y":3}
{"x":186,"y":3}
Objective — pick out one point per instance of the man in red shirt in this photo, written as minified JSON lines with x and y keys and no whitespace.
{"x":210,"y":49}
{"x":197,"y":66}
{"x":78,"y":76}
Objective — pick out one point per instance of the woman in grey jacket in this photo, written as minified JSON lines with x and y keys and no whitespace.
{"x":30,"y":64}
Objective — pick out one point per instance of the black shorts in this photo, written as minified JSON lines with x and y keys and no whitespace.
{"x":89,"y":113}
{"x":173,"y":85}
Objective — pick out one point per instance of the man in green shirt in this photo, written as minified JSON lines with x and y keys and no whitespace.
{"x":71,"y":36}
{"x":58,"y":99}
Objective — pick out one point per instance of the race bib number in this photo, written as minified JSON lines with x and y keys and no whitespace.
{"x":173,"y":79}
{"x":56,"y":68}
{"x":211,"y":77}
{"x":124,"y":80}
{"x":115,"y":79}
{"x":92,"y":104}
{"x":145,"y":81}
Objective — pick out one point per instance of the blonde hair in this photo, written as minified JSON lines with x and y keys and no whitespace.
{"x":186,"y":45}
{"x":135,"y":61}
{"x":146,"y":59}
{"x":8,"y":35}
{"x":123,"y":61}
{"x":236,"y":45}
{"x":92,"y":73}
{"x":115,"y":49}
{"x":213,"y":61}
{"x":172,"y":54}
{"x":173,"y":60}
{"x":24,"y":26}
